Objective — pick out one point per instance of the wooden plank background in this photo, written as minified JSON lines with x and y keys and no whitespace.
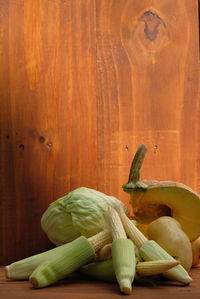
{"x":82,"y":84}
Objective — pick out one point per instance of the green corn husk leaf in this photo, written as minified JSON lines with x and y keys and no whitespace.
{"x":60,"y":265}
{"x":152,"y":251}
{"x":100,"y":270}
{"x":124,"y":263}
{"x":22,"y":269}
{"x":104,"y":271}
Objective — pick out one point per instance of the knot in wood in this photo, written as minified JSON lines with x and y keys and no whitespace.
{"x":152,"y":22}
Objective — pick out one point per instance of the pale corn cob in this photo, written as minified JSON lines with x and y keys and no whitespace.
{"x":154,"y":267}
{"x":101,"y":239}
{"x":123,"y":254}
{"x":150,"y":250}
{"x":132,"y":231}
{"x":103,"y":270}
{"x":22,"y":269}
{"x":117,"y":228}
{"x":137,"y":255}
{"x":104,"y":253}
{"x":59,"y":266}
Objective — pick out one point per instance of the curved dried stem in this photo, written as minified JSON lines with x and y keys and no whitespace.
{"x":134,"y":175}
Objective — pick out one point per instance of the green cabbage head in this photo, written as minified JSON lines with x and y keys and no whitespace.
{"x":80,"y":212}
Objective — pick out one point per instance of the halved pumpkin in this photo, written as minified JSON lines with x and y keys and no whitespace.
{"x":153,"y":199}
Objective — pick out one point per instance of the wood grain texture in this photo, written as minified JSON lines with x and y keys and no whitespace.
{"x":80,"y":287}
{"x":82,"y":84}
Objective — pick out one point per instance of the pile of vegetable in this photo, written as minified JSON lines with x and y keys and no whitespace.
{"x":95,"y":236}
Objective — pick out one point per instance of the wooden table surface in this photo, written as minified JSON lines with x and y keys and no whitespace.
{"x":77,"y":287}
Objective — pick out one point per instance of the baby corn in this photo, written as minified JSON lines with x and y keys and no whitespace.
{"x":103,"y":270}
{"x":104,"y":253}
{"x":80,"y":252}
{"x":154,"y":267}
{"x":59,"y":266}
{"x":21,"y":270}
{"x":150,"y":250}
{"x":101,"y":239}
{"x":123,"y":254}
{"x":132,"y":231}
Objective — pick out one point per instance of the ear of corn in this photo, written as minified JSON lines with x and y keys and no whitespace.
{"x":100,"y":270}
{"x":101,"y":239}
{"x":59,"y":266}
{"x":123,"y":255}
{"x":131,"y":230}
{"x":154,"y":267}
{"x":103,"y":270}
{"x":117,"y":228}
{"x":152,"y":251}
{"x":21,"y":270}
{"x":104,"y":253}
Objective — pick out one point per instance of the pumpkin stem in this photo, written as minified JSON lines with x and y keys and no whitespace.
{"x":134,"y":175}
